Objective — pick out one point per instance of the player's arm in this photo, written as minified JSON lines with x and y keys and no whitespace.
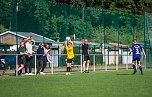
{"x":47,"y":50}
{"x":26,"y":39}
{"x":143,"y":52}
{"x":88,"y":49}
{"x":130,"y":51}
{"x":63,"y":46}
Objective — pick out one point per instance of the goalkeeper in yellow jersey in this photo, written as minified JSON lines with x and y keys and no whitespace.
{"x":70,"y":54}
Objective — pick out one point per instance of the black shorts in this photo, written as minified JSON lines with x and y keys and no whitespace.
{"x":86,"y":57}
{"x":20,"y":61}
{"x":69,"y":60}
{"x":136,"y":59}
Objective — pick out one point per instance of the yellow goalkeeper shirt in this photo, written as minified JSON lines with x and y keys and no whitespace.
{"x":70,"y":53}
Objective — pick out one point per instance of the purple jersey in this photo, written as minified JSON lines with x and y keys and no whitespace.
{"x":136,"y":50}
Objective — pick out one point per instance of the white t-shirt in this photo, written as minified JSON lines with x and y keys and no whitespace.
{"x":29,"y":47}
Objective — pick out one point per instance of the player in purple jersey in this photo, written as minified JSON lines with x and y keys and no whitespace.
{"x":136,"y":50}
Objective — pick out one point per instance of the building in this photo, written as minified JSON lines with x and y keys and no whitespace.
{"x":9,"y":39}
{"x":114,"y":53}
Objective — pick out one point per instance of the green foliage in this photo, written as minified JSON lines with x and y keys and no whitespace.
{"x":89,"y":19}
{"x":2,"y":29}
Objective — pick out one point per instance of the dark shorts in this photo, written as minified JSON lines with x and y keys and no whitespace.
{"x":136,"y":59}
{"x":86,"y":58}
{"x":20,"y":61}
{"x":69,"y":60}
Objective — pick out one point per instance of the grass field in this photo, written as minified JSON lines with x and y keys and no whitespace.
{"x":95,"y":84}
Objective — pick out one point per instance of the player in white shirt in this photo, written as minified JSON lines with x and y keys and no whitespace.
{"x":29,"y":57}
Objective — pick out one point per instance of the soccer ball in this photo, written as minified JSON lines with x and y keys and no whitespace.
{"x":68,"y":39}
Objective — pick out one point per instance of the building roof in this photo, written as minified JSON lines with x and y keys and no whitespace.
{"x":119,"y":45}
{"x":35,"y":37}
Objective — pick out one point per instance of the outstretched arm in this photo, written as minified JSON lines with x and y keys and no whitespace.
{"x":130,"y":51}
{"x":144,"y":53}
{"x":63,"y":46}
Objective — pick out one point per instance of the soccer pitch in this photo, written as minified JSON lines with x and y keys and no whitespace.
{"x":94,"y":84}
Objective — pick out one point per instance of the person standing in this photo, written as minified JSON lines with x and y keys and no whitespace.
{"x":21,"y":57}
{"x":29,"y":57}
{"x":86,"y":57}
{"x":46,"y":49}
{"x":136,"y":50}
{"x":70,"y":55}
{"x":41,"y":59}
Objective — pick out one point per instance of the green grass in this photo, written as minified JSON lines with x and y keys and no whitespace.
{"x":95,"y":84}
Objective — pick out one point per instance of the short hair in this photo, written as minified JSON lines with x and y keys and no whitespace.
{"x":134,"y":40}
{"x":85,"y":40}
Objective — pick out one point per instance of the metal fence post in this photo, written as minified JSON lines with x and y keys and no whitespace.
{"x":16,"y":65}
{"x":52,"y":65}
{"x":127,"y":61}
{"x":35,"y":64}
{"x":118,"y":61}
{"x":94,"y":68}
{"x":105,"y":63}
{"x":81,"y":62}
{"x":145,"y":63}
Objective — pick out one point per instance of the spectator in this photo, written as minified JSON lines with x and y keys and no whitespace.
{"x":29,"y":57}
{"x":2,"y":65}
{"x":22,"y":51}
{"x":86,"y":57}
{"x":41,"y":59}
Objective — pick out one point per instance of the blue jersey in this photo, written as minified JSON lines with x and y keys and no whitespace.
{"x":136,"y":50}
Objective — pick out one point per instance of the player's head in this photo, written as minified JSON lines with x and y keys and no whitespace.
{"x":134,"y":41}
{"x":22,"y":44}
{"x":69,"y":43}
{"x":30,"y":40}
{"x":46,"y":45}
{"x":86,"y":41}
{"x":41,"y":44}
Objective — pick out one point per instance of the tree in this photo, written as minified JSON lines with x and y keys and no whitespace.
{"x":2,"y":29}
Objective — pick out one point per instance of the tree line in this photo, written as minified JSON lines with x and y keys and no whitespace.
{"x":97,"y":20}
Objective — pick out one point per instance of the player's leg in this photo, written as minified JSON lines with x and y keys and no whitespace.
{"x":134,"y":65}
{"x":20,"y":66}
{"x":69,"y":64}
{"x":68,"y":67}
{"x":88,"y":64}
{"x":30,"y":66}
{"x":26,"y":66}
{"x":20,"y":69}
{"x":43,"y":67}
{"x":84,"y":63}
{"x":140,"y":67}
{"x":40,"y":65}
{"x":84,"y":67}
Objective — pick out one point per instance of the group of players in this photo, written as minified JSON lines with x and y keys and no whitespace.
{"x":135,"y":49}
{"x":68,"y":45}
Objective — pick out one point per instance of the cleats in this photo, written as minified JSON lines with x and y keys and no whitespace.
{"x":134,"y":72}
{"x":141,"y":73}
{"x":86,"y":71}
{"x":68,"y":73}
